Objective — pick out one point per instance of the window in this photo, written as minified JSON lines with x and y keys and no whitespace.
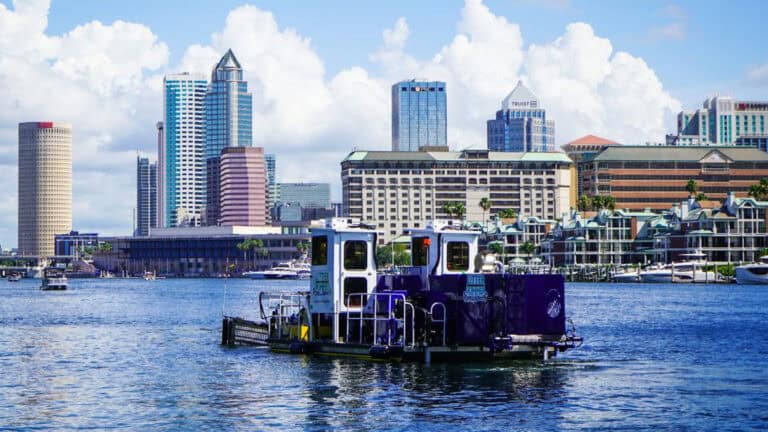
{"x":457,"y":256}
{"x":355,"y":255}
{"x":420,"y":251}
{"x":319,"y":250}
{"x":354,"y":285}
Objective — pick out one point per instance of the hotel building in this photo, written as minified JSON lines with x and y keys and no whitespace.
{"x":723,"y":121}
{"x":398,"y":190}
{"x":45,"y":186}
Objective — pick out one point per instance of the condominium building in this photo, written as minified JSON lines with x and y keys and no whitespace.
{"x":146,"y":196}
{"x":243,"y":187}
{"x":582,"y":151}
{"x":640,"y":177}
{"x":272,"y":186}
{"x":723,"y":121}
{"x":419,"y":115}
{"x":45,"y":185}
{"x":397,"y":190}
{"x":228,"y":123}
{"x":521,"y":125}
{"x":182,"y":173}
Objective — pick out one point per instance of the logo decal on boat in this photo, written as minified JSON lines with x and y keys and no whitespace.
{"x":475,"y":289}
{"x":554,"y":304}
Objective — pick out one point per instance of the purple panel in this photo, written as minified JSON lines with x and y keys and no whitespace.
{"x":545,"y":304}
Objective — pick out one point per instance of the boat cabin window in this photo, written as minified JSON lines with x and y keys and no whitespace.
{"x":457,"y":256}
{"x":354,"y":285}
{"x":320,"y":250}
{"x":420,"y":251}
{"x":355,"y":255}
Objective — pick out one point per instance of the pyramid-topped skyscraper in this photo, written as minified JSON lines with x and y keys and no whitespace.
{"x":521,"y":125}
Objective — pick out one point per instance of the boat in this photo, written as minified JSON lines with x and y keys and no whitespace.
{"x":754,"y":273}
{"x":437,"y":309}
{"x":286,"y":270}
{"x":14,"y":277}
{"x":689,"y":271}
{"x":626,"y":275}
{"x":54,"y":280}
{"x":149,"y":276}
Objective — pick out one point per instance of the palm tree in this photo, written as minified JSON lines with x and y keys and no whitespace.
{"x":609,"y":202}
{"x":759,"y":191}
{"x":585,"y":203}
{"x":254,"y":245}
{"x":460,"y":209}
{"x":692,"y":187}
{"x":528,"y":248}
{"x":485,"y":204}
{"x":449,"y":207}
{"x":507,"y":214}
{"x":701,"y":197}
{"x":597,"y":202}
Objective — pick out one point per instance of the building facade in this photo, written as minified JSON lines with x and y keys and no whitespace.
{"x":582,"y":151}
{"x":272,"y":186}
{"x":398,"y":190}
{"x":146,"y":196}
{"x":723,"y":121}
{"x":243,"y":187}
{"x":45,"y":186}
{"x":419,"y":115}
{"x":521,"y":125}
{"x":317,"y":195}
{"x":228,"y":123}
{"x":640,"y":177}
{"x":182,"y":173}
{"x":74,"y":244}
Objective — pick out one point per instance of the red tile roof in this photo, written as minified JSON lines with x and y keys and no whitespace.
{"x":592,"y":140}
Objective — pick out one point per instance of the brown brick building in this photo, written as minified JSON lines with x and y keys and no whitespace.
{"x":655,"y":177}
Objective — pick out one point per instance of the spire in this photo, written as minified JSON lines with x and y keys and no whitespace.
{"x":520,"y":97}
{"x":227,"y":63}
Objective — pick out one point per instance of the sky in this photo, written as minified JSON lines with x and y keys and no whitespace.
{"x":320,"y":74}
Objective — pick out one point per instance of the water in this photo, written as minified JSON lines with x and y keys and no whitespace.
{"x":138,"y":355}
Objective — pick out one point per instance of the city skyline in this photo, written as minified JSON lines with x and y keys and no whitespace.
{"x":617,"y":86}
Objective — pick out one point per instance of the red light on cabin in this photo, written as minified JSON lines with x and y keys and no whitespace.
{"x":427,"y":242}
{"x":45,"y":125}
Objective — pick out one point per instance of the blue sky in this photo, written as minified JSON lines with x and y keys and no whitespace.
{"x":715,"y":47}
{"x":320,"y":74}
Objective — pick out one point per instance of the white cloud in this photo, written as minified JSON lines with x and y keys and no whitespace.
{"x":106,"y":80}
{"x":758,"y":75}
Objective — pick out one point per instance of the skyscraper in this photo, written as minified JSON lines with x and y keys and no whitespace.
{"x":243,"y":186}
{"x":520,"y":125}
{"x":146,"y":196}
{"x":45,"y":185}
{"x":160,"y":221}
{"x":228,"y":123}
{"x":181,"y":156}
{"x":272,"y":190}
{"x":723,"y":121}
{"x":419,"y":116}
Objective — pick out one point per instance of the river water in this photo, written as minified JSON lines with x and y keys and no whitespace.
{"x":138,"y":355}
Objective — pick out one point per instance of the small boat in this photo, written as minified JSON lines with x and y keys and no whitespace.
{"x":436,"y":309}
{"x":626,"y":276}
{"x":14,"y":277}
{"x":54,"y":280}
{"x":149,"y":276}
{"x":755,"y":273}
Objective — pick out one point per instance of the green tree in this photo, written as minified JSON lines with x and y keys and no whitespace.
{"x":528,"y":248}
{"x":584,"y":203}
{"x":496,"y":247}
{"x":701,"y":197}
{"x":759,"y":191}
{"x":105,"y":247}
{"x":609,"y":202}
{"x":460,"y":210}
{"x":692,"y":187}
{"x":449,"y":208}
{"x":485,"y":204}
{"x":507,"y":214}
{"x":255,"y":246}
{"x":597,"y":202}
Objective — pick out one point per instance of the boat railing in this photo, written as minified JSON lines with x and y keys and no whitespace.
{"x":392,"y":319}
{"x":441,"y":320}
{"x":288,"y":318}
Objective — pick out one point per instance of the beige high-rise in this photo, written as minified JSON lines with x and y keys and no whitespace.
{"x":45,"y":185}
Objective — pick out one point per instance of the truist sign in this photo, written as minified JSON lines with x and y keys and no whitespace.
{"x":45,"y":125}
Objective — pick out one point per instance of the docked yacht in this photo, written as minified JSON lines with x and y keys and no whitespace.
{"x":14,"y":277}
{"x":689,"y":271}
{"x":755,"y":273}
{"x":286,"y":270}
{"x":626,"y":275}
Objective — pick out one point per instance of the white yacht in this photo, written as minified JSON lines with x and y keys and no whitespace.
{"x":54,"y":280}
{"x":286,"y":270}
{"x":755,"y":273}
{"x":626,"y":275}
{"x":691,"y":270}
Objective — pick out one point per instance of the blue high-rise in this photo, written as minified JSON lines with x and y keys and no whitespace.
{"x":520,"y":125}
{"x":181,"y":166}
{"x":419,"y":115}
{"x":228,"y":123}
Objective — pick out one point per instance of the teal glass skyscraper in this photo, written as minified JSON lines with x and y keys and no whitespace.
{"x":419,"y":115}
{"x":228,"y":123}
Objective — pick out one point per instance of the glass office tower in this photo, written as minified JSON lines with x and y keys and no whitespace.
{"x":419,"y":116}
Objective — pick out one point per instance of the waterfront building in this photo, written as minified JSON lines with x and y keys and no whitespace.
{"x":182,"y":173}
{"x":582,"y":151}
{"x":640,"y":177}
{"x":228,"y":123}
{"x":723,"y":121}
{"x":160,"y":176}
{"x":524,"y":229}
{"x":74,"y":243}
{"x":243,"y":186}
{"x":521,"y":125}
{"x":201,"y":251}
{"x":419,"y":115}
{"x":398,"y":190}
{"x":146,"y":196}
{"x":316,"y":195}
{"x":45,"y":186}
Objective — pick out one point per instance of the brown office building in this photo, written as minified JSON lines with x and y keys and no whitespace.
{"x":641,"y":177}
